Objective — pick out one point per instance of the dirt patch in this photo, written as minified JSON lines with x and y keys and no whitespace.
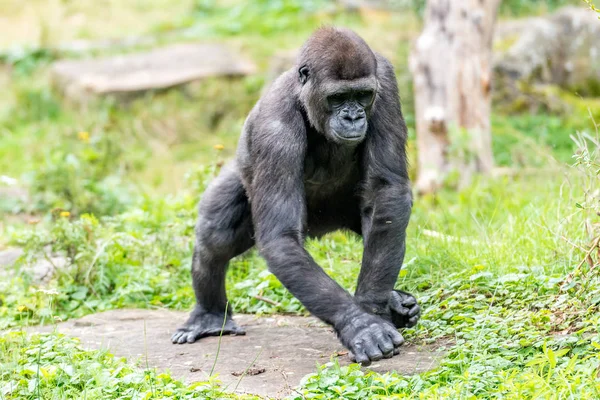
{"x":270,"y":360}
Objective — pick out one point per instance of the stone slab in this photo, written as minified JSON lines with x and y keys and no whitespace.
{"x":41,"y":271}
{"x":284,"y":348}
{"x":9,"y":256}
{"x":157,"y":69}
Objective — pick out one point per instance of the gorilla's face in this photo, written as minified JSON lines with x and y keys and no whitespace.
{"x":339,"y":108}
{"x":348,"y":112}
{"x":338,"y":74}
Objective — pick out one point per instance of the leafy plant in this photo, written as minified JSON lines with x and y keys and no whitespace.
{"x":54,"y":366}
{"x":78,"y":175}
{"x":587,"y":160}
{"x":25,"y":60}
{"x":261,"y":16}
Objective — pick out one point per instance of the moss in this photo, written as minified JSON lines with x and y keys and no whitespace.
{"x":575,"y":104}
{"x":590,"y":87}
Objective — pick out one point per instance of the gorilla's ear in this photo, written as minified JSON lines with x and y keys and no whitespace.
{"x":303,"y":74}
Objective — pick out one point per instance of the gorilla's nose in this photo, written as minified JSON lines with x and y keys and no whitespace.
{"x":353,"y":115}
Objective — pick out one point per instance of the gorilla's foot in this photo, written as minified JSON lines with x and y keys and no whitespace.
{"x":203,"y":324}
{"x":404,"y":309}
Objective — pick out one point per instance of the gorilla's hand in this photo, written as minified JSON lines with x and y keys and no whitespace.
{"x":400,"y":308}
{"x":404,"y":309}
{"x":202,"y":324}
{"x":368,"y":337}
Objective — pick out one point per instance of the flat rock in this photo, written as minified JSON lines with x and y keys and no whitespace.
{"x":9,"y":256}
{"x":13,"y":192}
{"x":40,"y":271}
{"x":157,"y":69}
{"x":283,"y":348}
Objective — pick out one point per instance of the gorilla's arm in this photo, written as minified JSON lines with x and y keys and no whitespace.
{"x":386,"y":208}
{"x":279,"y":214}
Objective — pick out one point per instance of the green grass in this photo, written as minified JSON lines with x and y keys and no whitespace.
{"x":51,"y":366}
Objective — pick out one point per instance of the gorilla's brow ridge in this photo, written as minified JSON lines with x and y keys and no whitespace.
{"x":367,"y":83}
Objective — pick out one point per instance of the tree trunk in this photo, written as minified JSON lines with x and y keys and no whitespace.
{"x":451,"y":66}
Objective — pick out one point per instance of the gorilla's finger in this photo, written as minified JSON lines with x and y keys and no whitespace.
{"x":397,"y":305}
{"x":414,"y":311}
{"x":361,"y":357}
{"x":396,"y":337}
{"x":373,"y":352}
{"x":386,"y":346}
{"x":396,"y":351}
{"x":395,"y":299}
{"x":408,"y":300}
{"x":401,"y":311}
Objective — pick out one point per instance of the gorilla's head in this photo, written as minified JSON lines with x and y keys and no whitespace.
{"x":337,"y":70}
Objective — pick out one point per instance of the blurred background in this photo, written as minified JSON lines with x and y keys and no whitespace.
{"x":153,"y":123}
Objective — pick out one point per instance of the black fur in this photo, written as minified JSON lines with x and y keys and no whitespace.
{"x":312,"y":158}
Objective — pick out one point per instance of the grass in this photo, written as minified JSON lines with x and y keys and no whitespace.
{"x":496,"y":266}
{"x":52,"y":366}
{"x":49,"y":22}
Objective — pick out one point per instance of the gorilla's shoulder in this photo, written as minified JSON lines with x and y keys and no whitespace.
{"x":286,"y":85}
{"x":280,"y":97}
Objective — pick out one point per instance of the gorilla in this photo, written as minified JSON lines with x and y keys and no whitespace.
{"x":323,"y":149}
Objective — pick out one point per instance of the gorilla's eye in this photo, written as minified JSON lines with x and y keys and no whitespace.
{"x":365,"y":97}
{"x":337,"y":99}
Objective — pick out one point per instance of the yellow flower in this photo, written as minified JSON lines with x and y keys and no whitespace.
{"x":21,"y":308}
{"x":84,"y":136}
{"x":65,"y":214}
{"x":218,"y":147}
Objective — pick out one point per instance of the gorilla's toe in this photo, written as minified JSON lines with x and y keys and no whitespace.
{"x":189,"y":333}
{"x":185,"y":335}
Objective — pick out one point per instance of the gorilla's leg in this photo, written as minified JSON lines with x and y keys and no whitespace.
{"x":224,"y":230}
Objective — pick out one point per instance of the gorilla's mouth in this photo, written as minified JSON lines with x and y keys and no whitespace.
{"x":345,"y":131}
{"x":349,"y":136}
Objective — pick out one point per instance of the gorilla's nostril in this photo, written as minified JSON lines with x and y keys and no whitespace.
{"x":353,"y":117}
